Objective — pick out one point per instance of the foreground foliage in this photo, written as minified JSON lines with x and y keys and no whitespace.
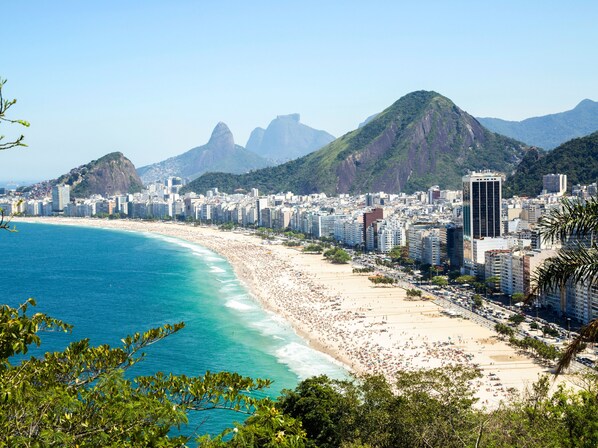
{"x":437,"y":408}
{"x":575,"y":223}
{"x":5,"y":105}
{"x":80,"y":397}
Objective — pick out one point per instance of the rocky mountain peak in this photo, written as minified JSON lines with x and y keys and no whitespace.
{"x":222,"y":136}
{"x":286,"y":138}
{"x":220,"y":154}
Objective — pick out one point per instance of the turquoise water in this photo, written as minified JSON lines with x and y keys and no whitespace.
{"x":112,"y":283}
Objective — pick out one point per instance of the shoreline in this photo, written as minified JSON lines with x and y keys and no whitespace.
{"x":366,"y":329}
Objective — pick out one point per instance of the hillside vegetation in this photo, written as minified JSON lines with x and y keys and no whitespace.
{"x":578,"y":159}
{"x":423,"y":139}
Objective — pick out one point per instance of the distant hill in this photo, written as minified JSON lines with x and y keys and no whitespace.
{"x":577,"y":158}
{"x":219,"y":154}
{"x":549,"y":131}
{"x":109,"y":175}
{"x":423,"y":139}
{"x":286,"y":139}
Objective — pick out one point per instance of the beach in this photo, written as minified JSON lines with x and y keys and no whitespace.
{"x":369,"y":329}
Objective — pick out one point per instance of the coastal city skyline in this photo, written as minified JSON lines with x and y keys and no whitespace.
{"x":470,"y":224}
{"x":308,"y":224}
{"x":160,"y":77}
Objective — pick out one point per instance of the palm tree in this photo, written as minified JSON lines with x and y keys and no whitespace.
{"x":574,"y":224}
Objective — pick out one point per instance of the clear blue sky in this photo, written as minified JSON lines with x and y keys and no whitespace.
{"x":153,"y":78}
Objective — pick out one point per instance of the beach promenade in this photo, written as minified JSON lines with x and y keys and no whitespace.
{"x":370,"y":329}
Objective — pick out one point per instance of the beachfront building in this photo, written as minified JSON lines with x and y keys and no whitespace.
{"x":122,"y":204}
{"x":249,"y":215}
{"x":493,"y":265}
{"x":424,"y":243}
{"x":61,"y":195}
{"x":261,"y":204}
{"x":391,"y":233}
{"x":579,"y":301}
{"x":281,"y":218}
{"x":12,"y":206}
{"x":482,"y":197}
{"x":480,"y":246}
{"x":323,"y":226}
{"x":83,"y":209}
{"x":348,"y":230}
{"x":516,"y":268}
{"x":206,"y":212}
{"x":36,"y":207}
{"x":368,"y":219}
{"x":431,"y":247}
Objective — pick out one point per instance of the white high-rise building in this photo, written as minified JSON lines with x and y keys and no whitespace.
{"x":61,"y":196}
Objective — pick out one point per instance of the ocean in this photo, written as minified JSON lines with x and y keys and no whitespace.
{"x":110,"y":283}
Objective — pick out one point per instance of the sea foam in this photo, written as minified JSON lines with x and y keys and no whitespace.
{"x":236,"y":305}
{"x":288,"y":348}
{"x":305,"y":362}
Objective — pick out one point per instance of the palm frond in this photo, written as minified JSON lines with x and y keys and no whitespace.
{"x":578,"y":264}
{"x":586,"y":335}
{"x":574,"y":217}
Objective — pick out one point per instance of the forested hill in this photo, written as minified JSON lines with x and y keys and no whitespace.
{"x":423,"y":139}
{"x":108,"y":175}
{"x":577,"y":158}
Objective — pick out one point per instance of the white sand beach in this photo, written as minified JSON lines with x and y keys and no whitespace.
{"x":369,"y":329}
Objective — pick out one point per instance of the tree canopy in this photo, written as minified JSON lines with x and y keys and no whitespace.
{"x":337,"y":255}
{"x":81,"y":397}
{"x":440,"y":280}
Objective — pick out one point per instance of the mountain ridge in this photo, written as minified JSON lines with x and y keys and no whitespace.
{"x":420,"y":140}
{"x":549,"y":131}
{"x":220,"y":153}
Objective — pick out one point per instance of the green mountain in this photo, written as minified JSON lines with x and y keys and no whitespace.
{"x":577,"y":158}
{"x":286,"y":139}
{"x":423,"y":139}
{"x":109,"y":175}
{"x":219,"y":154}
{"x":549,"y":131}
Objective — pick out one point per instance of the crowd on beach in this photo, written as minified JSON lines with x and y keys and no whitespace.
{"x":358,"y":333}
{"x":362,"y":341}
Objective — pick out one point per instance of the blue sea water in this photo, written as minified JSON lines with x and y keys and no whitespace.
{"x":109,"y":284}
